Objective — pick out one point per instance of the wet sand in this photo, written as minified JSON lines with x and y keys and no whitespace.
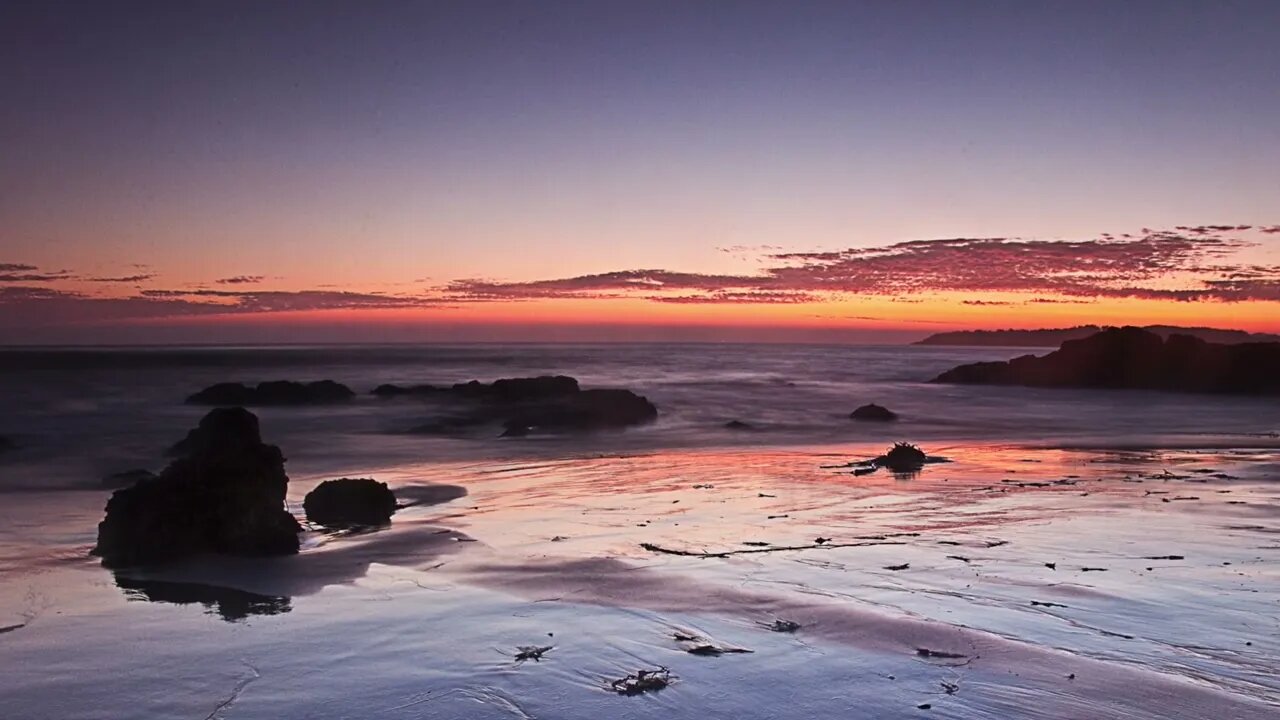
{"x":1011,"y":582}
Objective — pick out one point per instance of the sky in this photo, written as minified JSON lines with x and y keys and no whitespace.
{"x":694,"y":170}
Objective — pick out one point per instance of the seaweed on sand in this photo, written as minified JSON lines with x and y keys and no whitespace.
{"x":532,"y":652}
{"x":642,"y":681}
{"x":783,"y":626}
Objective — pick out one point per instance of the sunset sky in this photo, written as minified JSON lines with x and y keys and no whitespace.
{"x":451,"y":171}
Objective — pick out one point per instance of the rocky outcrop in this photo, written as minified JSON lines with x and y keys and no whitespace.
{"x":279,"y":392}
{"x":527,"y":405}
{"x":1132,"y":358}
{"x":873,"y":413}
{"x":348,"y":502}
{"x":225,"y":494}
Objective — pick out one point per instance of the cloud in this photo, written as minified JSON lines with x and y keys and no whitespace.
{"x":16,"y":267}
{"x":27,"y":306}
{"x":24,"y":276}
{"x":240,"y":280}
{"x":122,"y":279}
{"x":1190,"y":263}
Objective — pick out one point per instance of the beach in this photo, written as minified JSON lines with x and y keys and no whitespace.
{"x":1078,"y":554}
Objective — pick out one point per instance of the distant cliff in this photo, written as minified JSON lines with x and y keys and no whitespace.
{"x":1054,"y":337}
{"x":1132,"y":358}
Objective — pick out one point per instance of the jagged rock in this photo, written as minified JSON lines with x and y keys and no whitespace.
{"x":224,"y":495}
{"x":874,"y":413}
{"x":350,"y":501}
{"x":1131,"y":358}
{"x":279,"y":392}
{"x":125,"y":479}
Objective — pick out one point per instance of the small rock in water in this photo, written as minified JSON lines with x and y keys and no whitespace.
{"x":784,"y":626}
{"x":903,"y":566}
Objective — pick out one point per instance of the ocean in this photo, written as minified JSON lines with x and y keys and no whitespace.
{"x":1082,"y":554}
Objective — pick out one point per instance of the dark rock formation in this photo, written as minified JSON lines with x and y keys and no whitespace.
{"x":348,"y":502}
{"x":6,"y":444}
{"x":524,"y":405}
{"x":738,"y":425}
{"x":902,"y":458}
{"x":224,"y":495}
{"x":125,"y":479}
{"x":1132,"y":358}
{"x":279,"y":392}
{"x":874,"y":413}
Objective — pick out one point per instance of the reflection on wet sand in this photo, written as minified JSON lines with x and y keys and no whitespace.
{"x":231,"y":604}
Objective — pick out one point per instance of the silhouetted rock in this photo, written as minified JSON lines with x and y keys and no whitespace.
{"x":1131,"y":358}
{"x":125,"y":479}
{"x":6,"y":444}
{"x":350,"y":501}
{"x":279,"y":392}
{"x":903,"y":458}
{"x":738,"y":425}
{"x":524,"y":405}
{"x":224,"y":495}
{"x":874,"y":413}
{"x":1056,"y":336}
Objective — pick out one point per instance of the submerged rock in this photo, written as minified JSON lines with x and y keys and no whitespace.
{"x":224,"y":495}
{"x":525,"y":405}
{"x":873,"y":413}
{"x":1132,"y":358}
{"x":350,"y":501}
{"x":583,"y":410}
{"x":279,"y":392}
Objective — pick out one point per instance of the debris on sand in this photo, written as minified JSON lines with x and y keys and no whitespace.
{"x":642,"y":681}
{"x":782,"y":626}
{"x":903,"y":566}
{"x":941,"y":655}
{"x":709,"y":650}
{"x":780,"y":548}
{"x":532,"y":652}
